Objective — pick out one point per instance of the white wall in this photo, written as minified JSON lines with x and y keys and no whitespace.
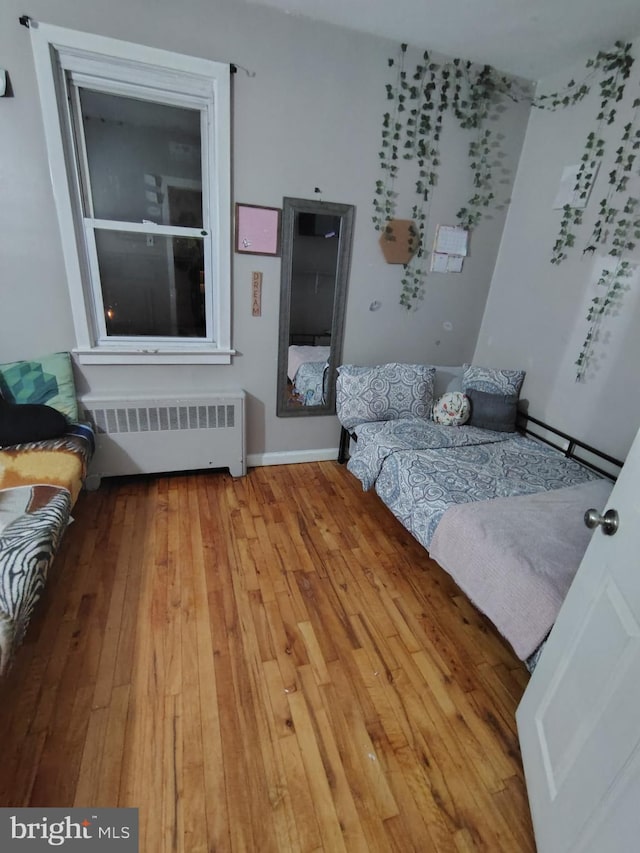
{"x":311,"y":116}
{"x":535,"y":314}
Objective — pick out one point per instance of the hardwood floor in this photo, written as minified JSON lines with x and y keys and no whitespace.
{"x":264,"y":664}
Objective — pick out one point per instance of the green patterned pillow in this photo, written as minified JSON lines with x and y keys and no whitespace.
{"x":47,"y":380}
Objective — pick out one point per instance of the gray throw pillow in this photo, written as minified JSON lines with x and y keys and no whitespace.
{"x":493,"y":411}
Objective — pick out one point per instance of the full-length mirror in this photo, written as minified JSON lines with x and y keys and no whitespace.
{"x":316,"y":252}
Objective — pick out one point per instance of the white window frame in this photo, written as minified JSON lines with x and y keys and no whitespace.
{"x":59,"y":51}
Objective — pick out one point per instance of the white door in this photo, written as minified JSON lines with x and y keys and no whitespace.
{"x":579,"y":719}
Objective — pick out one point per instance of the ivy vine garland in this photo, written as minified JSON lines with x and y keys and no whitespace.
{"x":617,"y":227}
{"x":412,"y":130}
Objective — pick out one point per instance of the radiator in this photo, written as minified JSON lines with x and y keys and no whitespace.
{"x":153,"y":434}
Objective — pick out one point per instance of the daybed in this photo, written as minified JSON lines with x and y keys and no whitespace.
{"x":500,"y":511}
{"x":43,"y":462}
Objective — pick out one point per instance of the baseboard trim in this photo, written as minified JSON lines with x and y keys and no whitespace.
{"x":292,"y":457}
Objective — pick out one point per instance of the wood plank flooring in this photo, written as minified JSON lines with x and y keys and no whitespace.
{"x":264,"y":664}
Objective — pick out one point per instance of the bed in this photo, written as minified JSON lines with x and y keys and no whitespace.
{"x":39,"y":484}
{"x":500,"y":510}
{"x":44,"y":454}
{"x":307,"y":370}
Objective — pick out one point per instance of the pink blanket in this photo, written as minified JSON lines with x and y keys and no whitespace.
{"x":515,"y":558}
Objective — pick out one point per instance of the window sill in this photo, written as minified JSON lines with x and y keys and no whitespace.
{"x":123,"y":355}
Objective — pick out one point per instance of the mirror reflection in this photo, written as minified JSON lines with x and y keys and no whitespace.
{"x":316,"y":250}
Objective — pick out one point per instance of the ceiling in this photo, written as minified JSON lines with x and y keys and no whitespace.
{"x":529,"y":38}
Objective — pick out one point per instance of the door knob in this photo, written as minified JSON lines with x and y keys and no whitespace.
{"x":609,"y":521}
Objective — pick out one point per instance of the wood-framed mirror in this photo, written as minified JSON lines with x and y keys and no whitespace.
{"x":316,"y":256}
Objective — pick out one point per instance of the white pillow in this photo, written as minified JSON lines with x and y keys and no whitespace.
{"x":452,"y":409}
{"x":447,"y":378}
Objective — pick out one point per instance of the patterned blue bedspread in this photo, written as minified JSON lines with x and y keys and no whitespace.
{"x":420,"y":468}
{"x":377,"y":441}
{"x":309,"y":384}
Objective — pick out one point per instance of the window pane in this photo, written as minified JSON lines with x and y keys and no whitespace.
{"x":151,"y":285}
{"x":144,"y":160}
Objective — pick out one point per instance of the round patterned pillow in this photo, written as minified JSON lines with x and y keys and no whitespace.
{"x":452,"y":409}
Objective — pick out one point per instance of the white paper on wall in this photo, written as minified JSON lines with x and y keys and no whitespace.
{"x":441,"y":262}
{"x":451,"y":240}
{"x":567,"y":192}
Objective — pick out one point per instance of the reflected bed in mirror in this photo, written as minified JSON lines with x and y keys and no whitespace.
{"x":316,"y":253}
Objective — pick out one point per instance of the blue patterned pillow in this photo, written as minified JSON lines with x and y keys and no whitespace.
{"x":383,"y":393}
{"x":491,"y":380}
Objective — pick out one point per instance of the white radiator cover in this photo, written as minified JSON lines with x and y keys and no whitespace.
{"x":145,"y":435}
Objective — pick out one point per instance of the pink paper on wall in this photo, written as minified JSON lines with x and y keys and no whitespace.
{"x":257,"y":230}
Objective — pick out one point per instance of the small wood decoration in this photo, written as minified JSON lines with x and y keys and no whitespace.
{"x":256,"y":294}
{"x":399,"y":241}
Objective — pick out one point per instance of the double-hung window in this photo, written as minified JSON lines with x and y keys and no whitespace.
{"x":138,"y":142}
